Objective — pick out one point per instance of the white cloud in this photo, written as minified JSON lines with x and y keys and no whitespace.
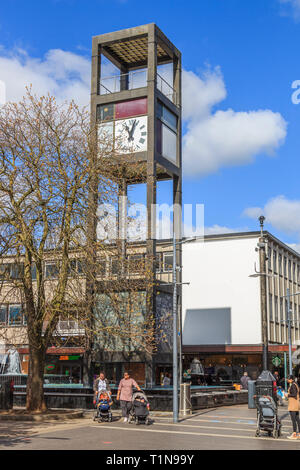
{"x":219,"y":229}
{"x":223,"y":138}
{"x":282,"y":213}
{"x":199,"y":95}
{"x":213,"y":139}
{"x":294,"y":246}
{"x":63,"y":74}
{"x":294,"y":8}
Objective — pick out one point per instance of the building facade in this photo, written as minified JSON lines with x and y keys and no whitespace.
{"x":222,"y":320}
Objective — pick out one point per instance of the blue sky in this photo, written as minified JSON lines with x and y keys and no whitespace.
{"x":242,"y":57}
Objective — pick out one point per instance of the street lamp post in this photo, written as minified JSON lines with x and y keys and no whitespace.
{"x":263,"y":289}
{"x":289,"y":311}
{"x":289,"y":330}
{"x":176,"y":333}
{"x":175,"y":352}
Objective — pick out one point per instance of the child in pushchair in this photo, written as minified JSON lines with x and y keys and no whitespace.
{"x":267,"y":417}
{"x":139,"y":412}
{"x":103,"y":404}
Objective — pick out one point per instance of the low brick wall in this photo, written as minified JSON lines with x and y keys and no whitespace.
{"x":159,"y":400}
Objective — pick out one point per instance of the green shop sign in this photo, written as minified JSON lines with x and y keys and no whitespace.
{"x":276,"y":361}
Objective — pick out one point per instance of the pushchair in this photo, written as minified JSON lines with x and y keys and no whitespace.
{"x":103,"y":404}
{"x":139,"y":412}
{"x":267,"y":417}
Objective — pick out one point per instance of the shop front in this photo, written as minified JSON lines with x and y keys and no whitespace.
{"x":67,"y":366}
{"x":226,"y":364}
{"x":220,"y":368}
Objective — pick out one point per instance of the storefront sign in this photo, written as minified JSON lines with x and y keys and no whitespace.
{"x":276,"y":361}
{"x":69,"y":358}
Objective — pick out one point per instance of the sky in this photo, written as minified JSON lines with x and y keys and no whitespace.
{"x":241,"y":93}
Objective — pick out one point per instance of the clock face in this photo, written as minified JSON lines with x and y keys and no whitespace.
{"x":131,"y":134}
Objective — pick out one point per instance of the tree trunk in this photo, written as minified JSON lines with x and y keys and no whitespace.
{"x":35,"y":391}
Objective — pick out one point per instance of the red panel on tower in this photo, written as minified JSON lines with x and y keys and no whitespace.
{"x":131,"y":108}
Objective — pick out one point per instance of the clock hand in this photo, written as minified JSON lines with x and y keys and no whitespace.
{"x":132,"y":130}
{"x":126,"y":128}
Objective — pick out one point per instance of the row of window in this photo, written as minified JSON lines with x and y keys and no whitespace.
{"x":135,"y":264}
{"x":279,"y":313}
{"x":12,"y":315}
{"x":284,"y":266}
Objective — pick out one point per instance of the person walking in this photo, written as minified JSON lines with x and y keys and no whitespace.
{"x":244,"y":381}
{"x":167,"y":380}
{"x":293,"y":406}
{"x":277,"y":378}
{"x":101,"y":384}
{"x":125,"y":394}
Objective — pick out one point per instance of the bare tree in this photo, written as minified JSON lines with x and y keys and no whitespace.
{"x":55,"y":170}
{"x":44,"y":171}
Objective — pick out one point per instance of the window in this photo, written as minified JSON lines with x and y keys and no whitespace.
{"x":3,"y":314}
{"x":280,"y":263}
{"x":270,"y":257}
{"x":294,"y":272}
{"x":271,"y":307}
{"x":15,"y":315}
{"x":76,"y":267}
{"x":281,"y":310}
{"x":33,"y":271}
{"x":17,"y":270}
{"x":136,"y":263}
{"x":166,"y":133}
{"x":114,"y":266}
{"x":168,"y":262}
{"x":4,"y":271}
{"x":51,"y":270}
{"x":290,"y":269}
{"x":276,"y":308}
{"x":11,"y":271}
{"x":167,"y":117}
{"x":275,"y":261}
{"x":169,"y":143}
{"x":101,"y":267}
{"x":105,"y":112}
{"x":284,"y":266}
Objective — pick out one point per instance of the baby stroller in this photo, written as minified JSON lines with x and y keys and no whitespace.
{"x":139,"y":412}
{"x":103,"y":404}
{"x":267,"y":417}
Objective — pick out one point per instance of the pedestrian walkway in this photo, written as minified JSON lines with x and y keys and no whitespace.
{"x":219,"y":428}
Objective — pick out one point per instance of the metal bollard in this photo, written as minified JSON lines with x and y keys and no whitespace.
{"x":251,"y":393}
{"x":185,"y":399}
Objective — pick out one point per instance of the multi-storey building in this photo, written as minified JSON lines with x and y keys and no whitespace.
{"x":222,"y":318}
{"x":65,"y":355}
{"x":221,"y":321}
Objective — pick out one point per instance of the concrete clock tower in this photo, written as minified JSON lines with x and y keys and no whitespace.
{"x":139,"y":111}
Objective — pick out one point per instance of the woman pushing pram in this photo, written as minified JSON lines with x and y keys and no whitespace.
{"x":102,"y":399}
